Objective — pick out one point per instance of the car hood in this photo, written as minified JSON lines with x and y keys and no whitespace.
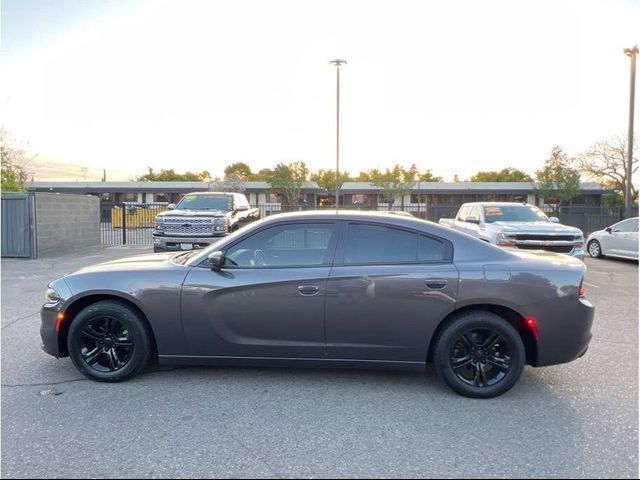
{"x":193,"y":213}
{"x":533,"y":227}
{"x":542,"y":257}
{"x":136,"y":263}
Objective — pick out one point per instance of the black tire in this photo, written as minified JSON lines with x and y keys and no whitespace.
{"x":474,"y":370}
{"x":595,"y":249}
{"x":109,"y":342}
{"x":158,"y":250}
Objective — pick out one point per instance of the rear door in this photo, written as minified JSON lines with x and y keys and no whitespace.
{"x":387,"y":291}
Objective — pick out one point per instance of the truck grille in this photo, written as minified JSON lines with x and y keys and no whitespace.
{"x":542,"y":237}
{"x":193,"y":230}
{"x":548,"y":248}
{"x":195,"y":227}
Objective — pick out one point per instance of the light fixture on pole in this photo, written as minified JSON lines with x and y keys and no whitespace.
{"x":628,"y":201}
{"x":338,"y":63}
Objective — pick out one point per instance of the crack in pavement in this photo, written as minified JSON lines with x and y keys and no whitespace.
{"x":74,"y":380}
{"x":18,"y":319}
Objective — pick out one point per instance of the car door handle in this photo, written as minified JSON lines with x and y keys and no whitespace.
{"x":308,"y":290}
{"x":435,"y":284}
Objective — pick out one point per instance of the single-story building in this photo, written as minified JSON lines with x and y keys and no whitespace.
{"x":112,"y":193}
{"x":453,"y":194}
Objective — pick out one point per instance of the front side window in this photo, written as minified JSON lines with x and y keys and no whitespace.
{"x":374,"y":244}
{"x":296,"y":245}
{"x":630,"y":225}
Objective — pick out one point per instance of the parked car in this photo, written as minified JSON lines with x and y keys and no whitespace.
{"x":327,"y":289}
{"x":619,"y":240}
{"x":517,"y":225}
{"x":201,"y":218}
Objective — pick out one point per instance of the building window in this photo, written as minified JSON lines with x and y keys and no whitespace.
{"x":160,"y":197}
{"x":273,"y":198}
{"x":129,"y":197}
{"x":359,"y":199}
{"x":422,"y":198}
{"x":105,"y":196}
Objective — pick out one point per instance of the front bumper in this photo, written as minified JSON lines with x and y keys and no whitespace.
{"x":48,"y":334}
{"x":167,"y":243}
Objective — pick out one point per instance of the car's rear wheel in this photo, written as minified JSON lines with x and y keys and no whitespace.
{"x":479,"y":355}
{"x":109,"y":342}
{"x":595,"y":249}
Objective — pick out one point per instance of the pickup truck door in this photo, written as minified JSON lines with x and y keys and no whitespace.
{"x":268,"y":300}
{"x":387,"y":291}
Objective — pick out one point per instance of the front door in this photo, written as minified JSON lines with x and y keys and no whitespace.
{"x":387,"y":292}
{"x":267,"y":300}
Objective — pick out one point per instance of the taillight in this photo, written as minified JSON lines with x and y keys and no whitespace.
{"x":582,"y":291}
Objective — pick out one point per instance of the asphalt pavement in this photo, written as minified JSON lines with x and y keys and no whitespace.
{"x":574,"y":420}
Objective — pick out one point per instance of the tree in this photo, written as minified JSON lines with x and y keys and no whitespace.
{"x":504,"y":175}
{"x":327,"y":178}
{"x":172,"y":176}
{"x":14,"y":163}
{"x":606,"y":163}
{"x":287,"y":180}
{"x":557,"y":181}
{"x":238,"y":170}
{"x":394,"y":182}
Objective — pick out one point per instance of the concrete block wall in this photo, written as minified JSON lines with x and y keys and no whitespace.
{"x":66,"y":222}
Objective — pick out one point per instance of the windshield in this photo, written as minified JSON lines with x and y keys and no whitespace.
{"x":205,"y":202}
{"x":515,"y":213}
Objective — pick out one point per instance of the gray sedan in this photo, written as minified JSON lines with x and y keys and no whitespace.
{"x":327,"y":289}
{"x":619,"y":240}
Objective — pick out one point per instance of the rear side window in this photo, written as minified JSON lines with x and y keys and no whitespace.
{"x":375,"y":244}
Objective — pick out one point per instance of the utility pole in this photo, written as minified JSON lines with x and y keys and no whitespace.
{"x":628,"y":201}
{"x":338,"y":63}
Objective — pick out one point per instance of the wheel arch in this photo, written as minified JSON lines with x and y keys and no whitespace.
{"x":515,"y":319}
{"x":79,"y":303}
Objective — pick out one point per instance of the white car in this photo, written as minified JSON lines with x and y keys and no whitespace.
{"x":619,"y":240}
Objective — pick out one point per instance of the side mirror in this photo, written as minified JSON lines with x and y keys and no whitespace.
{"x":608,"y":229}
{"x":242,"y":208}
{"x":171,"y":206}
{"x":216,"y":259}
{"x":554,"y":219}
{"x":473,"y":220}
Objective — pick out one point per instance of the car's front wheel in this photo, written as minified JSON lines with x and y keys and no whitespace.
{"x":479,"y":355}
{"x":109,"y":342}
{"x":595,"y":249}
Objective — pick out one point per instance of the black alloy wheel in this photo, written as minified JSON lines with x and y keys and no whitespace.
{"x":479,"y":354}
{"x":109,"y":341}
{"x":480,"y":358}
{"x":107,"y":345}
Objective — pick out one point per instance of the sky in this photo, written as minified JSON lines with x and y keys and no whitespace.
{"x":454,"y":87}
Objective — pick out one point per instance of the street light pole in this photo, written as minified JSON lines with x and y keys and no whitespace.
{"x":338,"y":63}
{"x":628,"y":201}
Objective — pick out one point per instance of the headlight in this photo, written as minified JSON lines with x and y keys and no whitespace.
{"x":506,"y":239}
{"x":52,"y":297}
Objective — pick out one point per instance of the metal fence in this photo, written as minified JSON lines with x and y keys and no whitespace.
{"x":132,"y":223}
{"x":18,"y":220}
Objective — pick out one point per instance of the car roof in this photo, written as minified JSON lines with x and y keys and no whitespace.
{"x":500,"y":204}
{"x":211,"y":193}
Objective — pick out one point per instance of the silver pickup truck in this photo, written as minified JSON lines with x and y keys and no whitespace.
{"x":517,"y":225}
{"x":201,"y":218}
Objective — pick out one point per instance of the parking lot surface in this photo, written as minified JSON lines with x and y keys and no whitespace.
{"x":574,"y":420}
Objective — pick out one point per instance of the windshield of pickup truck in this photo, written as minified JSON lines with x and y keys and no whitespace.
{"x":205,"y":202}
{"x":515,"y":213}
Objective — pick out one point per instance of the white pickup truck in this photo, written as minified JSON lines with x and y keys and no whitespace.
{"x":517,"y":225}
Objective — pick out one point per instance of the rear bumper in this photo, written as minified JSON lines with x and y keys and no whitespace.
{"x":166,"y":243}
{"x":565,"y":335}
